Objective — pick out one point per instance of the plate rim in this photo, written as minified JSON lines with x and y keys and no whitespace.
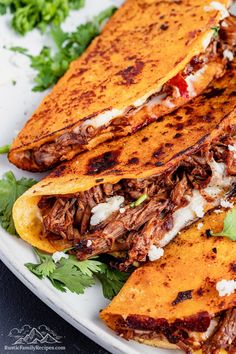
{"x":46,"y":295}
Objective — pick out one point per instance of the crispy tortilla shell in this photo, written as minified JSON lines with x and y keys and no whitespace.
{"x":192,"y":261}
{"x":151,"y":151}
{"x":145,"y":44}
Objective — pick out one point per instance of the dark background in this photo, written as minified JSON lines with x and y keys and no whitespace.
{"x":19,"y":307}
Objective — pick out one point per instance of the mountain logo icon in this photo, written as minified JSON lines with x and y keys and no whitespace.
{"x":32,"y":335}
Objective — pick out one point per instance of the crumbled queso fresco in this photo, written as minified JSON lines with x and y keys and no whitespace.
{"x":226,"y":287}
{"x":155,"y":253}
{"x":228,"y":54}
{"x":199,"y":225}
{"x":103,"y":210}
{"x":57,"y":256}
{"x":226,"y":204}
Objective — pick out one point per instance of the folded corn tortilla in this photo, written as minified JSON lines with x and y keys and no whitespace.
{"x":174,"y":302}
{"x":134,"y":195}
{"x":152,"y":57}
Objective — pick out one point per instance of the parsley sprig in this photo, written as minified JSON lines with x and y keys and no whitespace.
{"x":229,"y":229}
{"x":29,"y":14}
{"x":76,"y":276}
{"x":10,"y":190}
{"x":51,"y":66}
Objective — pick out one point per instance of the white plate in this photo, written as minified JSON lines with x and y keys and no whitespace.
{"x":16,"y":104}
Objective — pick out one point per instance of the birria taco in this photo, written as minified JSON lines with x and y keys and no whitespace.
{"x":135,"y":194}
{"x":152,"y":57}
{"x":186,"y":299}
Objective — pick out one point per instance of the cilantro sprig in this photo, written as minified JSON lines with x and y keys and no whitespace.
{"x":229,"y":229}
{"x":76,"y":276}
{"x":10,"y":190}
{"x":29,"y":14}
{"x":51,"y":66}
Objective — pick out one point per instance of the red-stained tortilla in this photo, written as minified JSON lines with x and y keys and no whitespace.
{"x":149,"y":152}
{"x":144,"y":45}
{"x":179,"y":289}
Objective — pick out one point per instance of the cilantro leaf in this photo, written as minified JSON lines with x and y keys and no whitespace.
{"x":76,"y":4}
{"x":34,"y":269}
{"x":112,"y":281}
{"x":50,"y":68}
{"x":30,"y":14}
{"x":10,"y":190}
{"x":215,"y":31}
{"x":5,"y":149}
{"x":229,"y":229}
{"x":58,"y":285}
{"x":71,"y":278}
{"x":87,"y":267}
{"x":46,"y":268}
{"x":76,"y":276}
{"x":3,"y":9}
{"x":20,"y":50}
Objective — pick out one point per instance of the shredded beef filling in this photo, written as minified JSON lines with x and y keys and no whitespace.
{"x":136,"y":229}
{"x":52,"y":153}
{"x":180,"y":332}
{"x":224,"y":336}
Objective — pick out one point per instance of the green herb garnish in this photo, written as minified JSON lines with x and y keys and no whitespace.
{"x":229,"y":229}
{"x":10,"y":190}
{"x":29,"y":14}
{"x":3,"y":9}
{"x":215,"y":31}
{"x":76,"y":276}
{"x":51,"y":67}
{"x":112,"y":280}
{"x":5,"y":149}
{"x":139,"y":201}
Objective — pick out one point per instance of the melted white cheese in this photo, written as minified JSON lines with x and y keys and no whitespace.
{"x":143,"y":99}
{"x":207,"y":39}
{"x":226,"y":287}
{"x":215,"y":5}
{"x":101,"y":119}
{"x":191,"y":79}
{"x":195,"y":209}
{"x":106,"y":117}
{"x":158,"y":99}
{"x":167,"y":101}
{"x":184,"y":216}
{"x":202,"y":336}
{"x":103,"y":210}
{"x":232,"y":148}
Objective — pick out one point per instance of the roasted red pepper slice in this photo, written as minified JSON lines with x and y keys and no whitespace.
{"x":179,"y":82}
